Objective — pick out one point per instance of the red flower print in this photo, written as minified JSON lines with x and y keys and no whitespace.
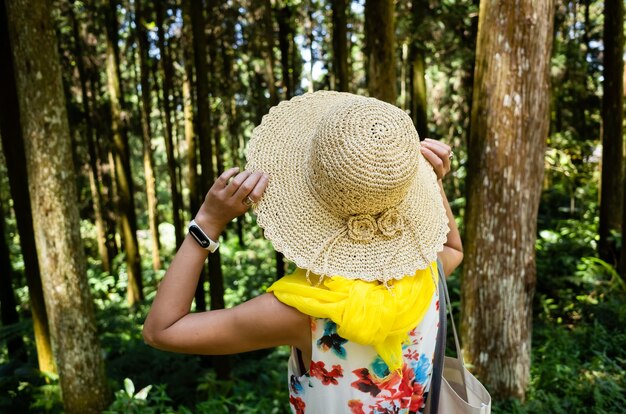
{"x":318,"y":370}
{"x":437,"y":305}
{"x":417,"y":399}
{"x":364,"y":383}
{"x":412,"y":354}
{"x":298,"y":404}
{"x":356,"y":407}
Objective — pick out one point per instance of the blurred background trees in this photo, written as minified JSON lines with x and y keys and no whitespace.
{"x":159,"y":97}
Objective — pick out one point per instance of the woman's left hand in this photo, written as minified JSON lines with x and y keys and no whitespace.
{"x":438,"y":154}
{"x":231,"y":195}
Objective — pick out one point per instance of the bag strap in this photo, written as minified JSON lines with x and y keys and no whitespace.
{"x":457,"y":343}
{"x":432,"y":404}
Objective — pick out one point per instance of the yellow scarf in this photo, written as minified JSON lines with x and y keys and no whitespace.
{"x":368,"y":313}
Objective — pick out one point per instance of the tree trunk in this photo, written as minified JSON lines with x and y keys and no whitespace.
{"x":53,"y":195}
{"x":268,"y":51}
{"x":203,"y":114}
{"x":510,"y":120}
{"x":206,"y":156}
{"x":612,"y":181}
{"x":419,"y":107}
{"x":146,"y":133}
{"x":94,"y":182}
{"x":380,"y":49}
{"x":121,"y":156}
{"x":286,"y":44}
{"x":340,"y":45}
{"x":165,"y":66}
{"x":8,"y":313}
{"x":13,"y":147}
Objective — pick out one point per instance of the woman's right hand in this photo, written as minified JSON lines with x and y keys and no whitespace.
{"x":438,"y":154}
{"x":231,"y":195}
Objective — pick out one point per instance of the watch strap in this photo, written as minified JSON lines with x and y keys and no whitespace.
{"x":201,"y":237}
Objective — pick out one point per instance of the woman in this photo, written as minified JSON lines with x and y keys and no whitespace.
{"x":343,"y":187}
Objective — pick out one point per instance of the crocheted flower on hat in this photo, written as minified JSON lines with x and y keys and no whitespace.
{"x":390,"y":222}
{"x":362,"y":227}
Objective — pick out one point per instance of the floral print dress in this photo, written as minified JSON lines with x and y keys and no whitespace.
{"x":346,"y":377}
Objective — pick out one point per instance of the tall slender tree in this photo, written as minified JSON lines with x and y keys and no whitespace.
{"x":54,"y":200}
{"x":340,"y":45}
{"x":417,"y":67}
{"x":167,"y":75}
{"x":13,"y":148}
{"x":143,"y":46}
{"x":197,"y":21}
{"x":380,"y":49}
{"x":510,"y":113}
{"x":8,"y":313}
{"x":612,"y":181}
{"x":94,"y":182}
{"x":121,"y":159}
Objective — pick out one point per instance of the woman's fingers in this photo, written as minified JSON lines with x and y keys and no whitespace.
{"x":247,"y":186}
{"x":438,"y":147}
{"x":436,"y":161}
{"x":259,"y":189}
{"x":442,"y":152}
{"x":236,"y":182}
{"x":222,"y":180}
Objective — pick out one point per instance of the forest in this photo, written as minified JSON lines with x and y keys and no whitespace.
{"x":117,"y":115}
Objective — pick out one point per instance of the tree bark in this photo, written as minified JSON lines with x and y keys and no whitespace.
{"x":146,"y":132}
{"x":510,"y":120}
{"x":165,"y":66}
{"x":340,"y":45}
{"x":380,"y":49}
{"x":612,"y":181}
{"x":53,"y":196}
{"x":13,"y":147}
{"x":121,"y":156}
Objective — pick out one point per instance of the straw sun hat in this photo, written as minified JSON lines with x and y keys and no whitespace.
{"x":350,"y":193}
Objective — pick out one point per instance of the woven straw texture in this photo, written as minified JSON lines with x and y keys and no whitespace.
{"x":350,"y":194}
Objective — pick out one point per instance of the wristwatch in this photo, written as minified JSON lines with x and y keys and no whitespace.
{"x":201,"y":237}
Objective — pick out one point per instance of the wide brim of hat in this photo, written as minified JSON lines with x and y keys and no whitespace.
{"x":303,"y":230}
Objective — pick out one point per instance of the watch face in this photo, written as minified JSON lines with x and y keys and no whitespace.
{"x":199,"y":236}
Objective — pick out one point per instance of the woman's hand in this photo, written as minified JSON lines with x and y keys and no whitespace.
{"x":438,"y":154}
{"x":228,"y":199}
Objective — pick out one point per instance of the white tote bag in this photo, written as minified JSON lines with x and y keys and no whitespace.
{"x":460,"y":391}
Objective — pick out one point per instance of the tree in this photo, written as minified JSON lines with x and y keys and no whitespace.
{"x":94,"y":182}
{"x":612,"y":181}
{"x":121,"y":157}
{"x":13,"y":147}
{"x":146,"y":132}
{"x":53,"y":196}
{"x":505,"y":171}
{"x":380,"y":49}
{"x":197,"y":21}
{"x":340,"y":45}
{"x":165,"y":67}
{"x":8,"y":312}
{"x":417,"y":68}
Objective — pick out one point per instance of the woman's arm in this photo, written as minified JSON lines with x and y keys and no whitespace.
{"x":438,"y":154}
{"x":262,"y":322}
